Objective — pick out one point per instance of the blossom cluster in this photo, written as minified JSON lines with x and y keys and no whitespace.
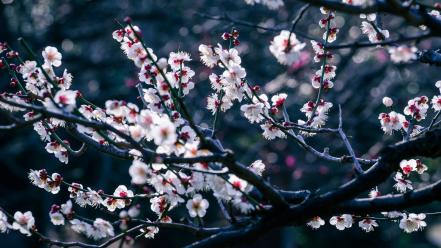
{"x":162,"y":130}
{"x":174,"y":188}
{"x":416,"y":109}
{"x":52,"y":91}
{"x":408,"y":222}
{"x":98,"y":229}
{"x":407,"y":166}
{"x":42,"y":180}
{"x":22,"y":222}
{"x":317,"y":111}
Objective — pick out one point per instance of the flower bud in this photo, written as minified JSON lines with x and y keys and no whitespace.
{"x":226,"y":36}
{"x":13,"y":82}
{"x":387,"y":101}
{"x":235,"y":34}
{"x":127,"y":19}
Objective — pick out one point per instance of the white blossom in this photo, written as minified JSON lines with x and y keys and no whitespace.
{"x":413,"y":222}
{"x":197,"y":206}
{"x":52,"y":56}
{"x":23,"y":222}
{"x":316,"y":222}
{"x":341,"y":222}
{"x":367,"y":224}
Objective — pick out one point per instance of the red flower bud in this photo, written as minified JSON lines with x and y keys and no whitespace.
{"x":226,"y":36}
{"x":235,"y":34}
{"x":14,"y":82}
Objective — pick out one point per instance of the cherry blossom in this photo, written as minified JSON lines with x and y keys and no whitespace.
{"x":23,"y":222}
{"x":321,"y":114}
{"x":208,"y":56}
{"x":123,"y":199}
{"x":412,"y":222}
{"x":407,"y":166}
{"x":52,"y":56}
{"x":56,"y":216}
{"x":216,"y":82}
{"x":66,"y":99}
{"x":420,"y":167}
{"x":165,"y":132}
{"x":139,"y":172}
{"x":372,"y":33}
{"x":417,"y":108}
{"x":319,"y":51}
{"x":234,"y":74}
{"x":341,"y":222}
{"x":42,"y":180}
{"x":286,"y":48}
{"x":392,"y":122}
{"x":367,"y":224}
{"x":257,"y":167}
{"x":316,"y":222}
{"x":253,"y":112}
{"x":436,"y":103}
{"x":197,"y":206}
{"x":228,"y":57}
{"x":4,"y":225}
{"x":149,"y":231}
{"x":58,"y":150}
{"x":176,"y":60}
{"x":387,"y":101}
{"x":438,"y":85}
{"x":271,"y":132}
{"x":100,"y":229}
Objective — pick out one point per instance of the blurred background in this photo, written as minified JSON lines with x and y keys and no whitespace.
{"x":82,"y":30}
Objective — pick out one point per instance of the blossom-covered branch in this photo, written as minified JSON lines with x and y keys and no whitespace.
{"x":177,"y":163}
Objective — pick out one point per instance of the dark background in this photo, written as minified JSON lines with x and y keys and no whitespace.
{"x":82,"y":31}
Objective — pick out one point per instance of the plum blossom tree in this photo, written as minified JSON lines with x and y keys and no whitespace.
{"x":177,"y":164}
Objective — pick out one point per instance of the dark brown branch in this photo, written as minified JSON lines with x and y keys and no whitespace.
{"x":418,"y":197}
{"x":339,"y":200}
{"x":428,"y":145}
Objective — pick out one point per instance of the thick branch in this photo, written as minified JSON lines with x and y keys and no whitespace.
{"x":418,"y":197}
